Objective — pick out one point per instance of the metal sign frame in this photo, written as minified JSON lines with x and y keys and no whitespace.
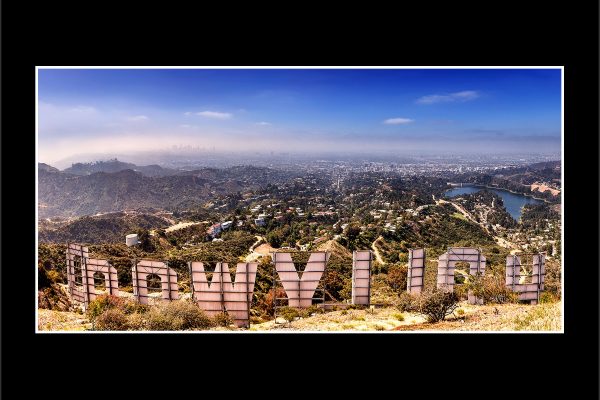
{"x":280,"y":302}
{"x":201,"y":296}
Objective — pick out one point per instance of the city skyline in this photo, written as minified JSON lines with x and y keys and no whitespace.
{"x":110,"y":111}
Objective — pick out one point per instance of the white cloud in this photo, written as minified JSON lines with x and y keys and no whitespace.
{"x":398,"y":121}
{"x":463,"y":96}
{"x":188,"y":113}
{"x":214,"y":114}
{"x":138,"y":118}
{"x":263,"y":123}
{"x":82,"y":109}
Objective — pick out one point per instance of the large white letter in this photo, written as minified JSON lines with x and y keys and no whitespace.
{"x":300,"y":290}
{"x":221,"y":294}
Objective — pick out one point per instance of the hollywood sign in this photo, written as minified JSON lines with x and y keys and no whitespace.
{"x":156,"y":281}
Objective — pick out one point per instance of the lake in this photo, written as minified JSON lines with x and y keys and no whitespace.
{"x":512,"y":202}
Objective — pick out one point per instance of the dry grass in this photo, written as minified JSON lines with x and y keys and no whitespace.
{"x":352,"y":320}
{"x":49,"y":320}
{"x":499,"y":317}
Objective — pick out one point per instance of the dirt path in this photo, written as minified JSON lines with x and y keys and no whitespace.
{"x":376,"y":251}
{"x":257,"y":251}
{"x":460,"y":209}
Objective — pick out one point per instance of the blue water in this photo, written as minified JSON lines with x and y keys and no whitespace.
{"x":512,"y":202}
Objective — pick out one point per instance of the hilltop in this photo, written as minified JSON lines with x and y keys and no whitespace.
{"x":64,"y":194}
{"x":115,"y":165}
{"x":105,"y":228}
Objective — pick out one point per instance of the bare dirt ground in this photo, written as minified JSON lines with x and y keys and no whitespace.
{"x":256,"y":252}
{"x":543,"y":188}
{"x":180,"y":225}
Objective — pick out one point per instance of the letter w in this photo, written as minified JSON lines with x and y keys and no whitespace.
{"x":221,"y":294}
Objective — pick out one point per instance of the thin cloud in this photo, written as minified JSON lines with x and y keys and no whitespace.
{"x":83,"y":109}
{"x":398,"y":121}
{"x":263,"y":123}
{"x":214,"y":114}
{"x":138,"y":118}
{"x":465,"y":95}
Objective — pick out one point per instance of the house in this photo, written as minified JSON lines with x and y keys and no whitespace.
{"x":214,"y":230}
{"x":226,"y":224}
{"x":319,"y":240}
{"x":260,"y":222}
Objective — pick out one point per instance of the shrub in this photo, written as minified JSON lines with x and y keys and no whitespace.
{"x":552,"y":280}
{"x":106,"y":302}
{"x":399,"y":317}
{"x":492,"y":288}
{"x":289,"y":313}
{"x":54,"y":298}
{"x":137,"y":322}
{"x":178,"y":315}
{"x":54,"y":276}
{"x":314,"y":309}
{"x":379,"y":328}
{"x":265,"y":304}
{"x":346,"y":292}
{"x":460,"y":311}
{"x":112,"y":319}
{"x":101,"y":304}
{"x":222,"y":319}
{"x":344,"y":312}
{"x":547,"y":297}
{"x":406,"y":302}
{"x":336,"y":284}
{"x":397,"y":276}
{"x":437,"y":304}
{"x":356,"y":307}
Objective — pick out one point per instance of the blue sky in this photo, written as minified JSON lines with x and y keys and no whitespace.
{"x":82,"y":111}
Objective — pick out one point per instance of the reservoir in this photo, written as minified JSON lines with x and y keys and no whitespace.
{"x":512,"y":201}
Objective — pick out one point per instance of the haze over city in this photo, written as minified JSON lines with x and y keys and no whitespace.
{"x":94,"y":114}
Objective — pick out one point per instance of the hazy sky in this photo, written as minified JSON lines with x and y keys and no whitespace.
{"x":108,"y":111}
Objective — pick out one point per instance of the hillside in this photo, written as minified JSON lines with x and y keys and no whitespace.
{"x":64,"y":194}
{"x":116,"y":166}
{"x":108,"y":228}
{"x":47,"y":168}
{"x":543,"y":180}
